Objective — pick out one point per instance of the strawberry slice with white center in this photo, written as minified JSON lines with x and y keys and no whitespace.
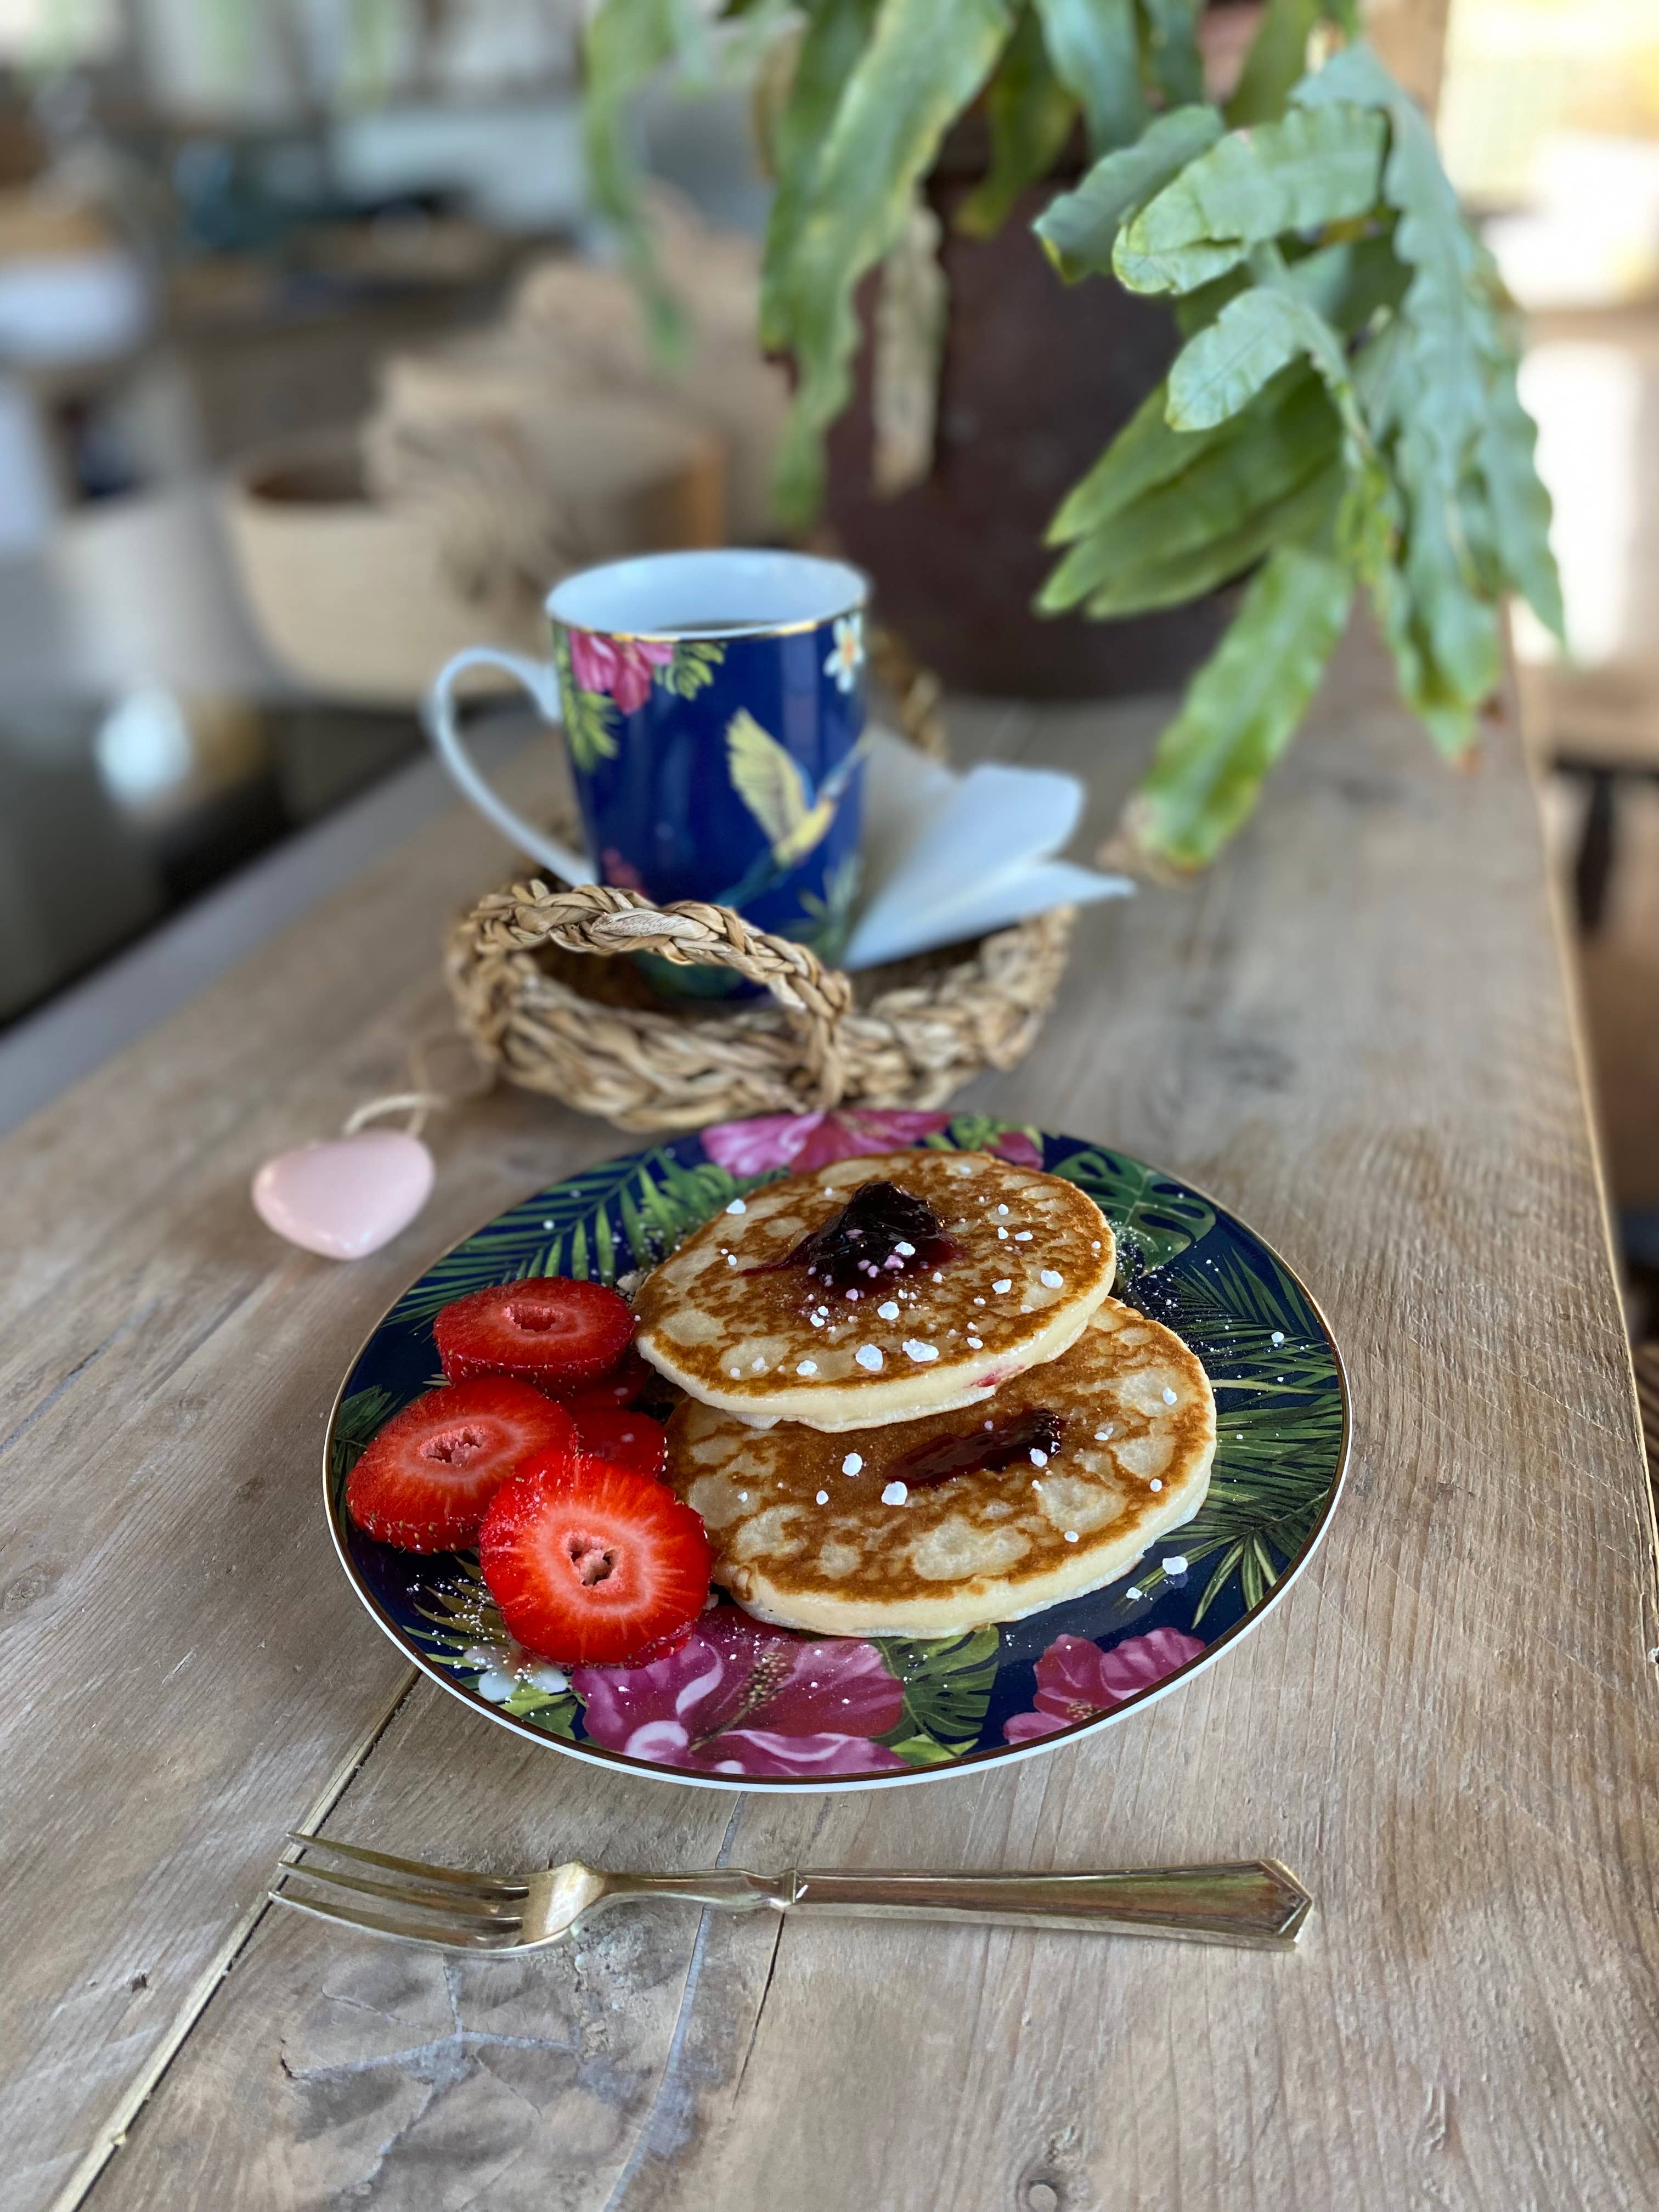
{"x":591,"y":1563}
{"x":626,"y":1439}
{"x":424,"y":1481}
{"x":550,"y":1330}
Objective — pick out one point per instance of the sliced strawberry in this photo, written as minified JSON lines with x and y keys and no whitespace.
{"x":629,"y":1382}
{"x":630,"y":1440}
{"x":591,"y":1564}
{"x":547,"y":1330}
{"x":425,"y":1480}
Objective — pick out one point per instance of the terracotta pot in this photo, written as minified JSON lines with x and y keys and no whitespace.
{"x":1037,"y":378}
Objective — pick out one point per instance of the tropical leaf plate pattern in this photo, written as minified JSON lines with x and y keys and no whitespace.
{"x":740,"y":1704}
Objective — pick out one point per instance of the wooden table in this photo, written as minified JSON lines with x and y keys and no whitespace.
{"x":1355,"y":1031}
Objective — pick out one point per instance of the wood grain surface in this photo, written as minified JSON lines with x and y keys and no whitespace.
{"x":1355,"y":1033}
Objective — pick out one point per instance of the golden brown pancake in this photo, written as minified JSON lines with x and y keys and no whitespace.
{"x":1034,"y":1257}
{"x":810,"y":1530}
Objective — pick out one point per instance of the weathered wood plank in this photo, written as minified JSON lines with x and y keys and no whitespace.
{"x":1355,"y":1032}
{"x":184,"y":1667}
{"x":534,"y":2081}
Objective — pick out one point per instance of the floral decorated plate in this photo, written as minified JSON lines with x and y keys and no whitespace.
{"x":743,"y":1706}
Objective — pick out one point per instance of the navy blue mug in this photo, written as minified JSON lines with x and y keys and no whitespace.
{"x":713,"y":709}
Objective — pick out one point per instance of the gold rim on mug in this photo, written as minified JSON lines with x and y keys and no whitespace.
{"x":741,"y":629}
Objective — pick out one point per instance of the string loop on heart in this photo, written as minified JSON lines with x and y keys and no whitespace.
{"x":417,"y":1104}
{"x":347,"y":1196}
{"x":424,"y":1098}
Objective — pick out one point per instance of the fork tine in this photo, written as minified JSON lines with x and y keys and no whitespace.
{"x":427,"y":1900}
{"x":482,"y":1885}
{"x":440,"y":1938}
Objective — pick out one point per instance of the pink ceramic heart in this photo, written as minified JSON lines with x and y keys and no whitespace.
{"x":347,"y":1197}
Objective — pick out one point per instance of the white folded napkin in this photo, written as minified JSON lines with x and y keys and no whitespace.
{"x":950,"y":856}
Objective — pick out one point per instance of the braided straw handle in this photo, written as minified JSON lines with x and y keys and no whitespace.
{"x":601,"y":918}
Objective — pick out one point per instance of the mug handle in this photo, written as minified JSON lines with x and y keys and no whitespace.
{"x":540,"y":680}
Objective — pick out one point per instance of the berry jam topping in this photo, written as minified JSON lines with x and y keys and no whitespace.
{"x":995,"y":1446}
{"x":882,"y":1230}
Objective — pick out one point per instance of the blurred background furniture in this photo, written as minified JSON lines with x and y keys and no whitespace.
{"x":304,"y":380}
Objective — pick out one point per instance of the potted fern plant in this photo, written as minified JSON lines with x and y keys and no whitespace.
{"x":1341,"y":416}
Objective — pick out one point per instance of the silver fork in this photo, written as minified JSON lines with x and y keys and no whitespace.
{"x":1254,"y":1902}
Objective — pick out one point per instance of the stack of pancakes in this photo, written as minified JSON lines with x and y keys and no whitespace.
{"x":962,"y":1429}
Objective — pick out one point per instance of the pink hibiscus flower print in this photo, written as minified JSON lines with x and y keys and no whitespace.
{"x":1078,"y":1681}
{"x":621,"y":667}
{"x":739,"y":1697}
{"x":804,"y":1142}
{"x":1016,"y":1147}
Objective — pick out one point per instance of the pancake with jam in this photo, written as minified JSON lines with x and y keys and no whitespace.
{"x":876,"y":1289}
{"x":932,"y":1527}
